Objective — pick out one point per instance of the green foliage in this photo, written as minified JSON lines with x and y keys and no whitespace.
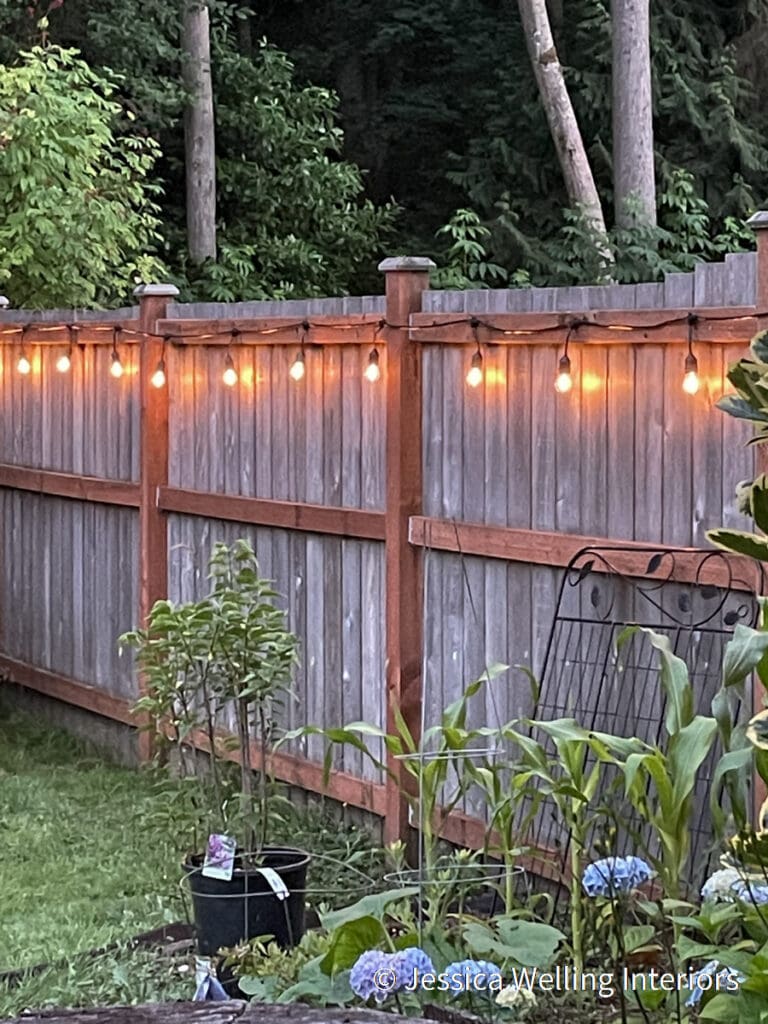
{"x":291,"y":216}
{"x":79,"y":215}
{"x":229,"y":650}
{"x":465,"y":264}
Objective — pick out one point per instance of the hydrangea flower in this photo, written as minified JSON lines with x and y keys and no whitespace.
{"x":473,"y":976}
{"x":380,"y":974}
{"x":615,"y":875}
{"x":721,"y":886}
{"x":718,"y":981}
{"x":728,"y":885}
{"x":521,"y":996}
{"x":752,"y":892}
{"x":368,"y":972}
{"x":409,"y":963}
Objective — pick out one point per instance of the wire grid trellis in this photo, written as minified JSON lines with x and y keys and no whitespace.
{"x":618,"y":691}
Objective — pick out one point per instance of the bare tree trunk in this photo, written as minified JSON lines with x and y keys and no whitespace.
{"x":633,"y":170}
{"x":199,"y":131}
{"x":563,"y":126}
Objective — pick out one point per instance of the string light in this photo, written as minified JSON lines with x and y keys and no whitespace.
{"x":157,"y":379}
{"x":373,"y":370}
{"x":116,"y":369}
{"x":691,"y":382}
{"x":64,"y":362}
{"x":23,"y":366}
{"x":230,"y":373}
{"x":298,"y":368}
{"x":475,"y":372}
{"x":564,"y":380}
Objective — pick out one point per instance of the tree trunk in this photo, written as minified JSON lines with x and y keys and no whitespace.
{"x":199,"y":132}
{"x":634,"y":179}
{"x":563,"y":126}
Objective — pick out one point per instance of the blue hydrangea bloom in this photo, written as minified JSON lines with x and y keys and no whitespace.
{"x":473,"y":976}
{"x":366,"y":972}
{"x":615,"y":875}
{"x":718,"y":983}
{"x":752,"y":892}
{"x":411,"y":962}
{"x":722,"y":885}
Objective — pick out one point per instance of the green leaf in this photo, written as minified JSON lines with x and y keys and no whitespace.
{"x":351,"y":939}
{"x":373,"y":905}
{"x":743,"y":653}
{"x":740,"y":542}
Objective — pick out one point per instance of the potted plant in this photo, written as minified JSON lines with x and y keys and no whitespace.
{"x":216,"y":672}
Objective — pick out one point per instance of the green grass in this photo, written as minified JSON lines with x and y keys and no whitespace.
{"x":90,"y":855}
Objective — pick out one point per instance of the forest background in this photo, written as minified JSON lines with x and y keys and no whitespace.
{"x":345,"y":130}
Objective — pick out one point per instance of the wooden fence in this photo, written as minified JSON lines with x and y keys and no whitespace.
{"x":415,"y":525}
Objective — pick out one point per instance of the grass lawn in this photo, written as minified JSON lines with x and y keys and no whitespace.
{"x":87,"y":858}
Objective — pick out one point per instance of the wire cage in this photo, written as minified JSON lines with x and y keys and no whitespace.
{"x":696,"y":599}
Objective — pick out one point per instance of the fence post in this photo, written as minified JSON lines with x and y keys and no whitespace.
{"x":153,"y":463}
{"x":406,"y":279}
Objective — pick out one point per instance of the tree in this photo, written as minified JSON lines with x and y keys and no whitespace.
{"x":199,"y":132}
{"x":634,"y":179}
{"x":563,"y":126}
{"x":79,"y":219}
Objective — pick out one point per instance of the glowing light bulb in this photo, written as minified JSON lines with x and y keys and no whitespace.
{"x":297,"y":369}
{"x":372,"y":370}
{"x":475,"y":373}
{"x":24,"y":366}
{"x":63,"y":363}
{"x":116,"y":369}
{"x":158,"y":377}
{"x":691,"y":382}
{"x":230,"y":373}
{"x":564,"y":380}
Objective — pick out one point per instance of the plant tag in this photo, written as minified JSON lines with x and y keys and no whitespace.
{"x":276,"y":884}
{"x":219,"y":857}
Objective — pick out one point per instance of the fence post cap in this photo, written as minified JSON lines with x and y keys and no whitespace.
{"x":419,"y":264}
{"x":4,"y":303}
{"x":758,"y":221}
{"x":156,"y":291}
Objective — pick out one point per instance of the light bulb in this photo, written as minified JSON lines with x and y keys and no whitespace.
{"x":691,"y":380}
{"x":372,"y":370}
{"x":24,"y":366}
{"x":564,"y":381}
{"x":297,"y":367}
{"x":475,"y":373}
{"x":230,"y":373}
{"x":116,"y":369}
{"x":158,"y":377}
{"x":63,"y":363}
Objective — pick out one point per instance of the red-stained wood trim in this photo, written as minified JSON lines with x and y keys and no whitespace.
{"x":275,"y":330}
{"x":289,"y":515}
{"x":70,"y":691}
{"x":404,"y":581}
{"x":70,"y":485}
{"x":153,"y":469}
{"x":91,"y":332}
{"x":541,"y":547}
{"x":603,"y":327}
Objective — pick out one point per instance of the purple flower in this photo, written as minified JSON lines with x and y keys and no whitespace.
{"x":370,"y":974}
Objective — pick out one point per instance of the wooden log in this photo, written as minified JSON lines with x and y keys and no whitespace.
{"x":210,"y":1013}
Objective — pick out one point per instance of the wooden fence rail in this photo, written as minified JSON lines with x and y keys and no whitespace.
{"x":415,"y":526}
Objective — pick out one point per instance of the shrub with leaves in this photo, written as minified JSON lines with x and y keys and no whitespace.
{"x":79,"y":220}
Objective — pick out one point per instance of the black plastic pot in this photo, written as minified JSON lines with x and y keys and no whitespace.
{"x":227,"y":913}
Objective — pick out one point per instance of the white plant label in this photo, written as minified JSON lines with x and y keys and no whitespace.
{"x":276,"y":884}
